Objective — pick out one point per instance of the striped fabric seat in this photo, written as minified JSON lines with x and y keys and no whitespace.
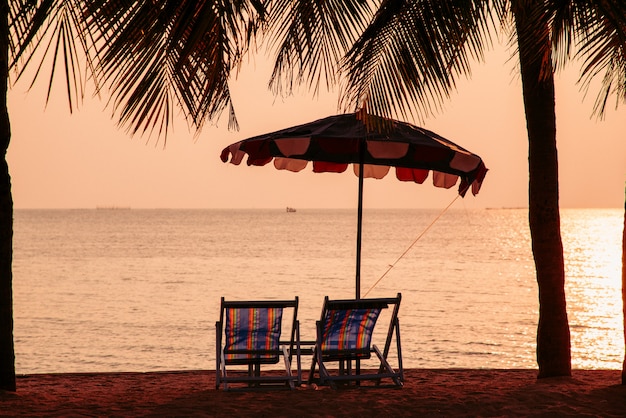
{"x":348,"y":333}
{"x":344,"y":336}
{"x":248,"y":336}
{"x":252,"y":334}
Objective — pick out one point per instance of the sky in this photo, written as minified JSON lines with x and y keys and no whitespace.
{"x":84,"y":160}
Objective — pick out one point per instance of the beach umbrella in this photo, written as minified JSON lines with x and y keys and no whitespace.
{"x":373,"y":145}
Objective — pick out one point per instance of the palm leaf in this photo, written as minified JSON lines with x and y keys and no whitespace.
{"x":407,"y":61}
{"x":52,"y":32}
{"x":162,"y":54}
{"x":310,"y":38}
{"x":602,"y":26}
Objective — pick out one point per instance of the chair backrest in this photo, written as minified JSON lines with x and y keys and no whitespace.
{"x":252,"y":330}
{"x":346,"y":326}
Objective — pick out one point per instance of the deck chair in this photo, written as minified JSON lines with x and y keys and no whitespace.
{"x":344,"y":336}
{"x":248,"y":335}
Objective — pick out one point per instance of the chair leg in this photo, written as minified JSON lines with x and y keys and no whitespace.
{"x":218,"y":352}
{"x":288,"y":368}
{"x":298,"y":354}
{"x":385,"y":366}
{"x":399,"y":348}
{"x":223,"y":368}
{"x":217,"y":373}
{"x":323,"y":372}
{"x":251,"y":373}
{"x":313,"y":364}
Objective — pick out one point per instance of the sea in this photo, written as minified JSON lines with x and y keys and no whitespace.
{"x":120,"y":289}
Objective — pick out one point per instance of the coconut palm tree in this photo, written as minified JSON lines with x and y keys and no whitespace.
{"x":149,"y":56}
{"x":406,"y":63}
{"x":7,"y":355}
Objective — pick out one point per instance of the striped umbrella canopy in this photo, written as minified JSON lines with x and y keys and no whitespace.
{"x":372,"y":145}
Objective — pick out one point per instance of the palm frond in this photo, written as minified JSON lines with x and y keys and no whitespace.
{"x":161,"y":54}
{"x":311,"y":37}
{"x":563,"y":22}
{"x":536,"y":34}
{"x":408,"y":59}
{"x":602,"y":25}
{"x":53,"y":32}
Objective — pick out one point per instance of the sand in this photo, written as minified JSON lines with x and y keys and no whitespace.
{"x":430,"y":393}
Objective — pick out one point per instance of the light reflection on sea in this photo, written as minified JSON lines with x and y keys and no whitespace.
{"x":592,"y":243}
{"x":139,"y":290}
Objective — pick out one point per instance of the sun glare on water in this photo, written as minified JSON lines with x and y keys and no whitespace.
{"x":593,"y":260}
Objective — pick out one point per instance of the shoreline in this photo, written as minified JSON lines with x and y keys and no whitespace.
{"x":426,"y":392}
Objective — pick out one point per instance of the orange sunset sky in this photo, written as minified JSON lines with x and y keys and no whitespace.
{"x":84,"y":160}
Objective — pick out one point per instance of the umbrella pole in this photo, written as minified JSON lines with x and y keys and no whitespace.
{"x":358,"y":233}
{"x":358,"y":228}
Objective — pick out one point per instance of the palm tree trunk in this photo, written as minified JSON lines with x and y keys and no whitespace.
{"x":7,"y":352}
{"x":624,"y":286}
{"x":553,"y":335}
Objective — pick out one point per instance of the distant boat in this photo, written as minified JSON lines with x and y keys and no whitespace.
{"x":290,"y":209}
{"x":112,"y":207}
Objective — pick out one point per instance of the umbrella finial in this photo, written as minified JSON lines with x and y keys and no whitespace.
{"x":374,"y":123}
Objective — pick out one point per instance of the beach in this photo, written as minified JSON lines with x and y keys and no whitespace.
{"x":426,"y":392}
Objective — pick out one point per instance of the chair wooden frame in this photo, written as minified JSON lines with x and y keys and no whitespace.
{"x":346,"y":374}
{"x":254,"y":358}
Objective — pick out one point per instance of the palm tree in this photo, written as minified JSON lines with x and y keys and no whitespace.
{"x":150,"y":56}
{"x":407,"y":59}
{"x":7,"y":354}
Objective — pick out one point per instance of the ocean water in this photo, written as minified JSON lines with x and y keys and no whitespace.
{"x":139,"y":290}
